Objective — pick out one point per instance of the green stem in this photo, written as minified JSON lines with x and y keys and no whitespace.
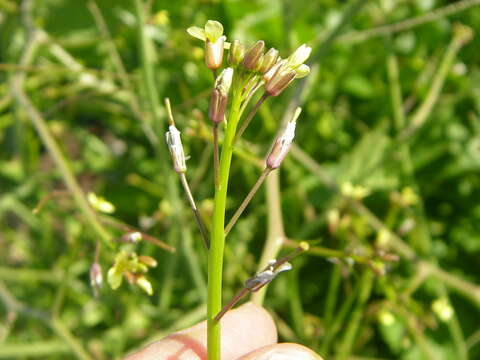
{"x":247,"y":200}
{"x":215,"y":256}
{"x":61,"y":161}
{"x":346,"y":347}
{"x":332,"y":294}
{"x":337,"y":321}
{"x":275,"y":231}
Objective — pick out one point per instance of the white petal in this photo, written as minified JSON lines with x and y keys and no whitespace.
{"x":300,"y":55}
{"x":213,"y":30}
{"x":197,"y":32}
{"x":302,"y":71}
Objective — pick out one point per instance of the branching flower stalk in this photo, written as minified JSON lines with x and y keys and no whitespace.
{"x":175,"y":146}
{"x":274,"y":159}
{"x":247,"y":72}
{"x":258,"y":281}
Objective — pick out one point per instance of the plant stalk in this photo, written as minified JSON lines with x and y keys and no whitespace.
{"x":215,"y":256}
{"x":196,"y":213}
{"x":250,"y":116}
{"x":247,"y":200}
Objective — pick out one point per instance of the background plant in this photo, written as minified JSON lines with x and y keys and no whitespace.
{"x":362,"y":173}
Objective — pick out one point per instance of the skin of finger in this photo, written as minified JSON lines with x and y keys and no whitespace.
{"x":285,"y":351}
{"x":243,"y":330}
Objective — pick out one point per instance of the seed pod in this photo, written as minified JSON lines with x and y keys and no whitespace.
{"x":268,"y":60}
{"x":282,"y":144}
{"x":236,"y":53}
{"x":253,"y":55}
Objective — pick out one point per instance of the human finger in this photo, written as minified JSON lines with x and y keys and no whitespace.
{"x":243,"y":330}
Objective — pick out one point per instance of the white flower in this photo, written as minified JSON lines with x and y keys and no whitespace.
{"x":175,"y":146}
{"x":212,"y":31}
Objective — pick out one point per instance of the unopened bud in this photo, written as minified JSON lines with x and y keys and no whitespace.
{"x":253,"y":55}
{"x":282,"y":144}
{"x":175,"y":146}
{"x":299,"y":56}
{"x":224,"y":81}
{"x":96,"y":277}
{"x":144,"y":284}
{"x":236,"y":53}
{"x":133,"y":237}
{"x":268,"y":60}
{"x":280,"y":80}
{"x":147,"y":260}
{"x":214,"y":53}
{"x":219,"y":97}
{"x":269,"y":74}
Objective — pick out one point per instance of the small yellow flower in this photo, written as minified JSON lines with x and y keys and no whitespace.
{"x":442,"y":308}
{"x":100,"y":204}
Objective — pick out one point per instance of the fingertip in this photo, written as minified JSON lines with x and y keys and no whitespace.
{"x":284,"y":351}
{"x":243,"y":330}
{"x":246,"y":328}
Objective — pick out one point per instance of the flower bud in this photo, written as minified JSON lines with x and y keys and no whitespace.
{"x":253,"y":55}
{"x":282,"y":144}
{"x":175,"y":146}
{"x":219,"y":97}
{"x":280,"y":80}
{"x":96,"y":277}
{"x":214,"y":53}
{"x":299,"y":56}
{"x":144,"y":284}
{"x":236,"y":53}
{"x":147,"y":260}
{"x":268,"y":60}
{"x":224,"y":81}
{"x":269,"y":74}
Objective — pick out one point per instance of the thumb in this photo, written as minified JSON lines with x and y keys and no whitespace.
{"x":285,"y":351}
{"x":243,"y":330}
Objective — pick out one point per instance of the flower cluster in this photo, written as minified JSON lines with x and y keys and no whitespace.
{"x":132,"y":267}
{"x":256,"y":66}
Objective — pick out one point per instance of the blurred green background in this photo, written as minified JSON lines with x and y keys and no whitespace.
{"x":386,"y":162}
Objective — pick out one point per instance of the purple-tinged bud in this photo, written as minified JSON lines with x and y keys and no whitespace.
{"x":282,"y":144}
{"x":147,"y":260}
{"x":269,"y":74}
{"x":175,"y":146}
{"x":268,"y":60}
{"x":214,"y":53}
{"x":236,"y":53}
{"x":253,"y":55}
{"x":96,"y":277}
{"x":279,"y":81}
{"x":219,"y":97}
{"x":218,"y":106}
